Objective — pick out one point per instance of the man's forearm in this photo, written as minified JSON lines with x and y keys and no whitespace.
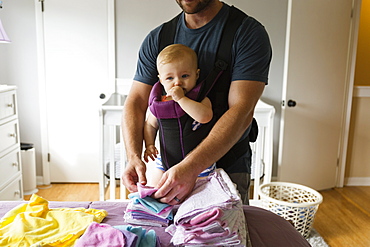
{"x":230,"y":127}
{"x":133,"y":118}
{"x":132,"y":129}
{"x":226,"y":132}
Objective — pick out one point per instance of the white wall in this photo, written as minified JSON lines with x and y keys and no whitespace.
{"x":18,"y":63}
{"x":18,"y":66}
{"x":134,"y":19}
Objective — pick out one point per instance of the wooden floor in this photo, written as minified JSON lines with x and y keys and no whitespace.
{"x":343,"y":219}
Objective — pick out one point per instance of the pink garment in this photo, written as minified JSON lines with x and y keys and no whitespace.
{"x":212,"y":215}
{"x":206,"y":237}
{"x":101,"y":235}
{"x":213,"y":227}
{"x":145,"y":190}
{"x":205,"y":218}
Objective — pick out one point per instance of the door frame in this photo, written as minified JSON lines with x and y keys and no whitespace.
{"x":42,"y":93}
{"x":45,"y":179}
{"x":351,"y":64}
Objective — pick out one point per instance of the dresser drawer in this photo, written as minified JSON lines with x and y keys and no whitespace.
{"x":12,"y":192}
{"x":8,"y":135}
{"x":7,"y":105}
{"x":9,"y":166}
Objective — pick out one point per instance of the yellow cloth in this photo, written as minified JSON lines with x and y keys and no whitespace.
{"x":34,"y":224}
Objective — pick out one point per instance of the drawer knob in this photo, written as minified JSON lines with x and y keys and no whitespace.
{"x":15,"y":164}
{"x":10,"y":105}
{"x":13,"y":135}
{"x":17,"y":192}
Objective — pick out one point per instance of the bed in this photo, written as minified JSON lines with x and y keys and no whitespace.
{"x":265,"y":228}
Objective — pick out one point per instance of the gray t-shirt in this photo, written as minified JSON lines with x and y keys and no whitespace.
{"x":251,"y":51}
{"x":251,"y":57}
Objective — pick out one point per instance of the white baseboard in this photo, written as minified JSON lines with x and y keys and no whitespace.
{"x":361,"y":91}
{"x":357,"y":181}
{"x":349,"y":181}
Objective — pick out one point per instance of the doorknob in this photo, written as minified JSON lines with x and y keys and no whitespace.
{"x":292,"y":103}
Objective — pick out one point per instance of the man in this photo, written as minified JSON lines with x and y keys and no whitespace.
{"x":200,"y":28}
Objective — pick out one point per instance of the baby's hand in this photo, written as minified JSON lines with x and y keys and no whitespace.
{"x":176,"y":93}
{"x":150,"y":152}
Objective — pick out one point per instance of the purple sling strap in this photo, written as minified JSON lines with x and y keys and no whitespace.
{"x":168,"y":109}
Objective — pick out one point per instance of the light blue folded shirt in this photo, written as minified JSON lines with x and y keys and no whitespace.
{"x":148,"y":202}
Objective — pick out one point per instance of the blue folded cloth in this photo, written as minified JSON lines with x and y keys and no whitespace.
{"x":148,"y":202}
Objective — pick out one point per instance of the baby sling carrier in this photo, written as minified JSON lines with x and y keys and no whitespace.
{"x":178,"y":132}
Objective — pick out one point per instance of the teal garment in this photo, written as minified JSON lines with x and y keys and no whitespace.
{"x":148,"y":202}
{"x":149,"y":240}
{"x":145,"y":239}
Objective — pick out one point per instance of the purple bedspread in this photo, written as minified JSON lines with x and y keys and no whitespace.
{"x":265,"y":228}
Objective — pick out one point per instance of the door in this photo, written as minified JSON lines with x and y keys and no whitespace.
{"x":76,"y":69}
{"x":314,"y":91}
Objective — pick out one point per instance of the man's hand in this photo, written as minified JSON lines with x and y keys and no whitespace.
{"x":175,"y":185}
{"x":134,"y":173}
{"x":133,"y":118}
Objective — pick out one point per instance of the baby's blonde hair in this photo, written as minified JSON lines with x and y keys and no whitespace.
{"x":175,"y":52}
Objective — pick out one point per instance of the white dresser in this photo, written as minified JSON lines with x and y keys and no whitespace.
{"x":11,"y":187}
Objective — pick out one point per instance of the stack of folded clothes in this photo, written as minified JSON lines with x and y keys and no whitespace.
{"x":144,"y":210}
{"x":211,"y":216}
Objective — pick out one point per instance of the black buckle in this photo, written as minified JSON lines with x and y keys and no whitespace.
{"x":222,"y":65}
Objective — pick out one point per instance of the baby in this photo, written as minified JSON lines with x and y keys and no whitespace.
{"x":178,"y":73}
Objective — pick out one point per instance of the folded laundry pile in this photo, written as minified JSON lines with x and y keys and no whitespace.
{"x":211,"y":216}
{"x":144,"y":210}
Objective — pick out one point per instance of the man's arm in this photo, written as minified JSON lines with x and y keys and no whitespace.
{"x":133,"y":118}
{"x":180,"y":179}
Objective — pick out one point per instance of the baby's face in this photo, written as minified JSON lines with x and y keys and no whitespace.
{"x":180,"y":73}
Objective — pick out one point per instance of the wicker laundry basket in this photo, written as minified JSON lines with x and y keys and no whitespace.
{"x":295,"y":203}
